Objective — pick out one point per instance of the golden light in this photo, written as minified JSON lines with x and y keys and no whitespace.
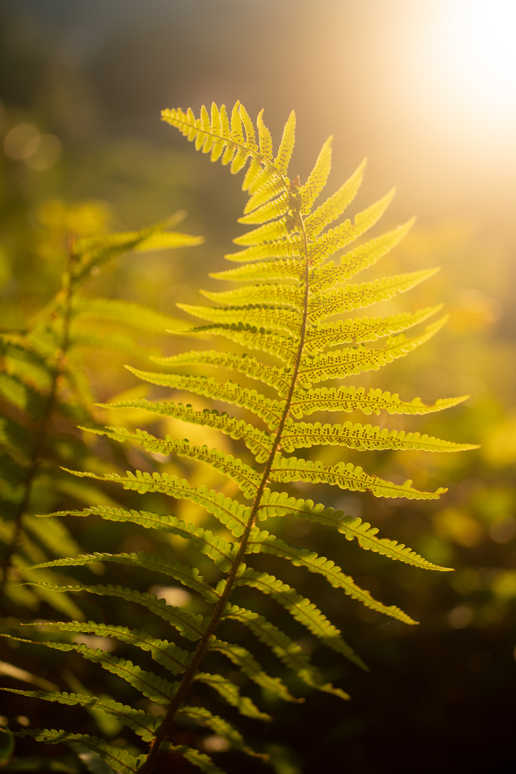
{"x":471,"y":59}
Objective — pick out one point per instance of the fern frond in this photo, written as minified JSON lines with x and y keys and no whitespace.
{"x":289,"y":292}
{"x":257,"y":441}
{"x":288,"y":651}
{"x":373,"y":401}
{"x":289,"y":295}
{"x":335,"y":239}
{"x":162,"y":652}
{"x":301,"y":557}
{"x":250,"y":667}
{"x":275,"y":208}
{"x":333,"y":207}
{"x":345,"y":476}
{"x":118,"y":758}
{"x":261,"y":316}
{"x":330,"y":274}
{"x":266,"y":271}
{"x":276,"y":344}
{"x":97,"y":251}
{"x":352,"y":527}
{"x":300,"y":608}
{"x":243,"y":475}
{"x":21,"y":394}
{"x":231,"y":693}
{"x":287,"y":247}
{"x":157,"y":689}
{"x":299,"y":435}
{"x":229,"y":392}
{"x":196,"y":758}
{"x":286,"y":147}
{"x":268,"y":232}
{"x":338,"y":364}
{"x":188,"y":576}
{"x":219,"y":726}
{"x":361,"y":329}
{"x":189,"y":625}
{"x":351,"y":297}
{"x":232,"y":514}
{"x":309,"y":192}
{"x":244,"y":364}
{"x":138,"y":721}
{"x":218,"y":549}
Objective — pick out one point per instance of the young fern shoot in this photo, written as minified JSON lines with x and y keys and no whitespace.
{"x":292,"y":305}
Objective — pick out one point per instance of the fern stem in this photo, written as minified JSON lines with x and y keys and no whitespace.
{"x":152,"y":759}
{"x":42,"y":431}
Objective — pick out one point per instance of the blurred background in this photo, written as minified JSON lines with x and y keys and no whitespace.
{"x":427,"y":92}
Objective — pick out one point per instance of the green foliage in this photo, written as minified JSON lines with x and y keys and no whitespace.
{"x":43,"y":398}
{"x":285,"y":316}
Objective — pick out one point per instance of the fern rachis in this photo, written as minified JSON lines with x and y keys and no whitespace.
{"x":286,"y":315}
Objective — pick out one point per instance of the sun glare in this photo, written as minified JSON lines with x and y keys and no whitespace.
{"x":471,"y":58}
{"x":481,"y":38}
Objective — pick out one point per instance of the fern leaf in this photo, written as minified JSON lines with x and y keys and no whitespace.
{"x":218,"y":549}
{"x":336,"y":238}
{"x":188,"y":576}
{"x":288,"y":651}
{"x":282,"y":347}
{"x":161,"y":651}
{"x":301,"y":557}
{"x":187,"y":624}
{"x":299,"y":435}
{"x":245,"y":364}
{"x":16,"y":439}
{"x":317,"y":179}
{"x":299,"y":608}
{"x":338,"y":364}
{"x":250,"y":667}
{"x":120,"y":760}
{"x":138,"y":721}
{"x":269,"y":184}
{"x":155,"y":688}
{"x":196,"y":758}
{"x":345,"y":476}
{"x":22,"y":561}
{"x":290,"y":295}
{"x":275,"y":208}
{"x":17,"y":348}
{"x":257,"y":441}
{"x":279,"y":248}
{"x":353,"y":528}
{"x":243,"y":475}
{"x":232,"y":514}
{"x":282,"y":160}
{"x":372,"y":401}
{"x":22,"y":395}
{"x":269,"y":232}
{"x":219,"y":726}
{"x":229,"y":392}
{"x":360,"y":329}
{"x":97,"y":251}
{"x":358,"y":296}
{"x":261,"y":316}
{"x":333,"y":207}
{"x":330,"y":274}
{"x":249,"y":128}
{"x":267,"y":271}
{"x":231,"y":693}
{"x":265,"y":138}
